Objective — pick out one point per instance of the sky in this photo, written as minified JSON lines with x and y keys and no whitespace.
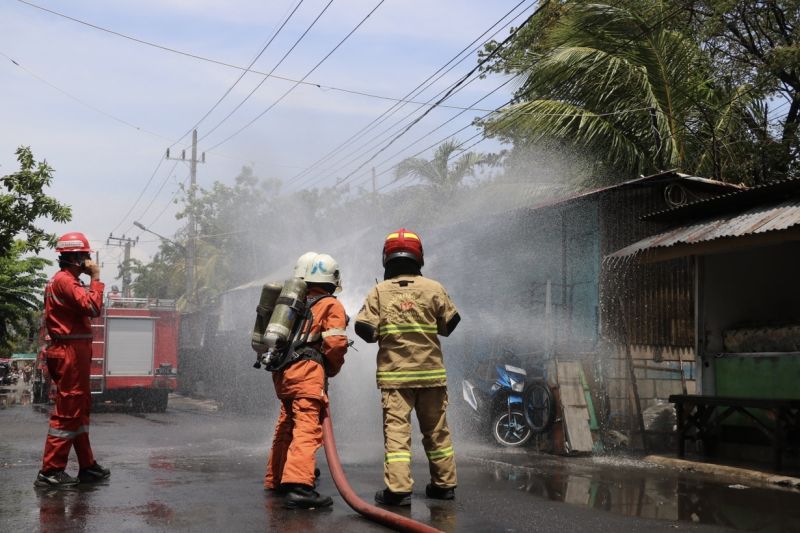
{"x":102,"y":108}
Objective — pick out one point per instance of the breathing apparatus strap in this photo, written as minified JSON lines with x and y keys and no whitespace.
{"x":300,"y":349}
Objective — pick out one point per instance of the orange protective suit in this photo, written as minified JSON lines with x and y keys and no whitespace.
{"x":301,"y":387}
{"x":68,"y":305}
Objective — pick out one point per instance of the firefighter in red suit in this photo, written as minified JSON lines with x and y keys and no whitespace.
{"x":68,"y":307}
{"x":302,"y":388}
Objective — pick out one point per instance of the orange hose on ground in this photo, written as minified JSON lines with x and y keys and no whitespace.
{"x":376,"y":514}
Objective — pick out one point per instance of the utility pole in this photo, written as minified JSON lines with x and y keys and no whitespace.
{"x":191,"y":253}
{"x":126,"y":271}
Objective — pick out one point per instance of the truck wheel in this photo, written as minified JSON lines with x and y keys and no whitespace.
{"x":159,"y":399}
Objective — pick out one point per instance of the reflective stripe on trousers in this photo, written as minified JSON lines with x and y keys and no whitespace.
{"x":64,"y":434}
{"x":430,"y":404}
{"x":68,"y":364}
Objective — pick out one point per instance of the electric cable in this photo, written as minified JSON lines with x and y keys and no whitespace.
{"x":275,"y":33}
{"x":460,"y":82}
{"x":649,"y":29}
{"x":218,"y":62}
{"x":408,"y":98}
{"x":375,"y":140}
{"x":263,"y":49}
{"x":454,"y":117}
{"x":258,"y":86}
{"x":315,"y":67}
{"x":136,"y":202}
{"x":158,"y":192}
{"x":80,"y":101}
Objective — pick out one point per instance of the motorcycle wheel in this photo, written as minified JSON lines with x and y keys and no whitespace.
{"x":511,"y":431}
{"x":538,"y":402}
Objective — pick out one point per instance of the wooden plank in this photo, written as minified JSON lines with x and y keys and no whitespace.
{"x":573,"y":405}
{"x":578,"y":433}
{"x":571,"y":396}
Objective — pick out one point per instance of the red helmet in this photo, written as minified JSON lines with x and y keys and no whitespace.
{"x":73,"y":241}
{"x":403,"y":243}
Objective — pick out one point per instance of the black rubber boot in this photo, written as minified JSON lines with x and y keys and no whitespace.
{"x":93,"y":474}
{"x":440,"y":493}
{"x":304,"y":497}
{"x":387,"y":497}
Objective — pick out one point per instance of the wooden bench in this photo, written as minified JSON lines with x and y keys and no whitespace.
{"x":700,"y":417}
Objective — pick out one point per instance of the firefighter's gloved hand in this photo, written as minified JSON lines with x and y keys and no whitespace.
{"x":92,"y":268}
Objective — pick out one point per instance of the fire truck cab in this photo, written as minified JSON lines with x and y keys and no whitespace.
{"x":135,"y":352}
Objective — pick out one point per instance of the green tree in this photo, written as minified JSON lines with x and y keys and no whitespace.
{"x":163,"y":276}
{"x":756,"y":44}
{"x":21,"y":283}
{"x":438,"y":173}
{"x":620,"y":82}
{"x":24,"y":203}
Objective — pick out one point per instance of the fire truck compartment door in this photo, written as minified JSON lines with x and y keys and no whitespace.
{"x":129,"y":348}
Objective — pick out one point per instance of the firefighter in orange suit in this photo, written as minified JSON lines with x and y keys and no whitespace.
{"x":68,"y":306}
{"x":405,"y":314}
{"x":302,"y":388}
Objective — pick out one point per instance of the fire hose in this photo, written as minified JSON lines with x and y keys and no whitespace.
{"x":371,"y":512}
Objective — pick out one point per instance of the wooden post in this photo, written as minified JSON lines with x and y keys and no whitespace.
{"x":632,"y":373}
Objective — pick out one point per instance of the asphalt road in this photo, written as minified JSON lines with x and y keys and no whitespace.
{"x":194,"y":468}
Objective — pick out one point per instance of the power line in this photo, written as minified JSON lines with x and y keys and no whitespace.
{"x":244,"y":72}
{"x":257,"y":87}
{"x":454,"y":117}
{"x":315,"y":67}
{"x":136,"y":202}
{"x":375,"y":140}
{"x":158,"y":192}
{"x":219,"y":62}
{"x":82,"y":102}
{"x":460,"y":82}
{"x":408,"y":98}
{"x":517,"y":111}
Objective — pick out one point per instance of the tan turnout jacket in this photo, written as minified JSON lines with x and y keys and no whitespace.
{"x":408,"y":313}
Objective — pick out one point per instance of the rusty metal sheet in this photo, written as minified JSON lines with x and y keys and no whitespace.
{"x":753,"y":221}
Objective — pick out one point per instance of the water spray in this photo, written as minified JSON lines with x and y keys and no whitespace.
{"x":371,"y":512}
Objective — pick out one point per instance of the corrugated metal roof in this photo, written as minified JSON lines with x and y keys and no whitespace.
{"x":756,"y":193}
{"x":753,"y":221}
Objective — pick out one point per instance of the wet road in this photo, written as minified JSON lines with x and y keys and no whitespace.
{"x":196,"y":469}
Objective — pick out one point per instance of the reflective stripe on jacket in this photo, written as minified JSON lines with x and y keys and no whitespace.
{"x":408,"y":313}
{"x":69,"y":305}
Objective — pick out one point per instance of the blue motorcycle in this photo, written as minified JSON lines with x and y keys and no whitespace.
{"x":506,"y":402}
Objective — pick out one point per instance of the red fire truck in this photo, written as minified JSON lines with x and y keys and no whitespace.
{"x":135,"y":352}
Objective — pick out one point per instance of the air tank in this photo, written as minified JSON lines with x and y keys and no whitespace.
{"x":266,"y":304}
{"x":289,"y":306}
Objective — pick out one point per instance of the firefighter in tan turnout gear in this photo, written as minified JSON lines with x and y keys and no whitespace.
{"x":405,"y":314}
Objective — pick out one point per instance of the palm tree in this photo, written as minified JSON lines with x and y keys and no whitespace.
{"x":622,"y":84}
{"x":438,"y":173}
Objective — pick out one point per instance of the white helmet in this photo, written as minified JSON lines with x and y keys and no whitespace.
{"x":322,"y":268}
{"x":302,"y":264}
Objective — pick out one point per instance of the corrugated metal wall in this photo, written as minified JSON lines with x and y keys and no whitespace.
{"x":656,"y":300}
